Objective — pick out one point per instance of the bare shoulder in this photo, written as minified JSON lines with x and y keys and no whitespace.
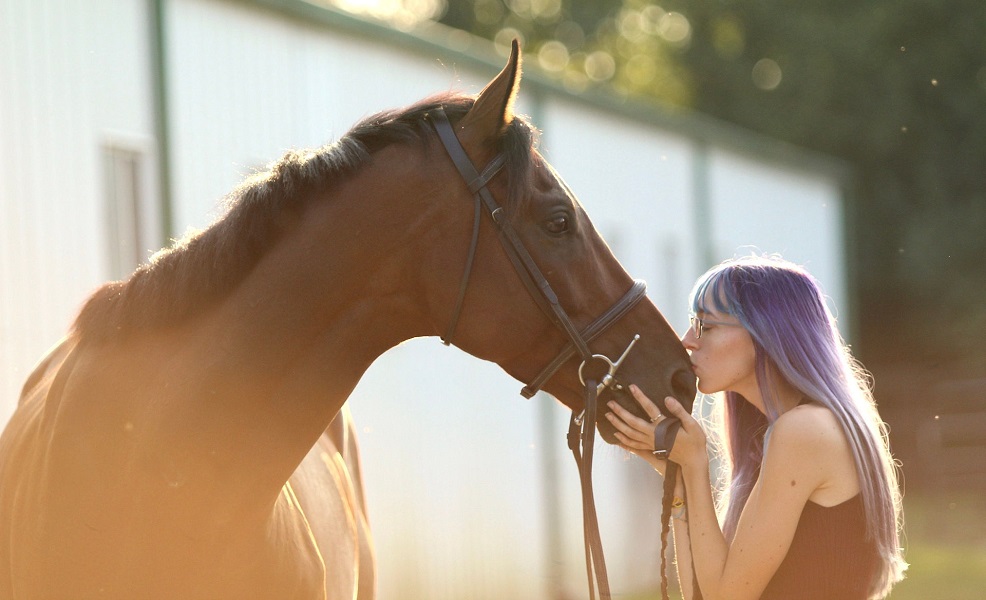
{"x":811,"y":438}
{"x":809,"y":425}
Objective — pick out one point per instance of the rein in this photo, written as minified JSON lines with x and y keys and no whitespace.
{"x":582,"y":427}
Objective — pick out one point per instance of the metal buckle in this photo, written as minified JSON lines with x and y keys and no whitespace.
{"x":609,"y":379}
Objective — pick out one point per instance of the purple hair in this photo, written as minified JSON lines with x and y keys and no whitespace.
{"x":795,"y":335}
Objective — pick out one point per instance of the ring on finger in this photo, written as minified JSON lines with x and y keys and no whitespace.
{"x":656,"y":419}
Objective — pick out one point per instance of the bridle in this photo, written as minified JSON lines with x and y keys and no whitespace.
{"x":582,"y":427}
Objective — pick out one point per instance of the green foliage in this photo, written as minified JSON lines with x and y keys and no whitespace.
{"x":943,"y":571}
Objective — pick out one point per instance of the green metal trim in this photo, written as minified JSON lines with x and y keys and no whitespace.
{"x":702,"y":207}
{"x":849,"y":325}
{"x":162,"y":122}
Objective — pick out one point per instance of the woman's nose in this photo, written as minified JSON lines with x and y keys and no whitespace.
{"x":689,"y":340}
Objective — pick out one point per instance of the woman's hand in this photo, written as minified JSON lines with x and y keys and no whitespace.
{"x":637,"y":435}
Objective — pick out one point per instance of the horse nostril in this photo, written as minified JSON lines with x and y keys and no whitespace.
{"x":683,"y":386}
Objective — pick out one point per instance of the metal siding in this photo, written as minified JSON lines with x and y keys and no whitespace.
{"x":63,"y":88}
{"x":765,"y":208}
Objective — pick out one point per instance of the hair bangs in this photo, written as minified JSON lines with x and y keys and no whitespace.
{"x":713,"y":293}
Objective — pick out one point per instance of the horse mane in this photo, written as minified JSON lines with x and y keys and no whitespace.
{"x":203,"y":267}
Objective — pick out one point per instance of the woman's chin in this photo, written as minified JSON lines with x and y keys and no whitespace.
{"x":705,"y":389}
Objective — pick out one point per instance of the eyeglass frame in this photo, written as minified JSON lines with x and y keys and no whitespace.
{"x":693,"y":319}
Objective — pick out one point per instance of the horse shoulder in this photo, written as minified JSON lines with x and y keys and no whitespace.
{"x":23,"y":447}
{"x":327,"y":493}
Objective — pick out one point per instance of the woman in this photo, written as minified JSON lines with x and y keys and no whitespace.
{"x":812,"y":508}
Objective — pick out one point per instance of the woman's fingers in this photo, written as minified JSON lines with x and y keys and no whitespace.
{"x":628,"y":442}
{"x":646,"y":403}
{"x":628,"y":426}
{"x":677,"y":410}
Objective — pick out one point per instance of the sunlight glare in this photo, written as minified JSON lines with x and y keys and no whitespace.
{"x":403,"y":14}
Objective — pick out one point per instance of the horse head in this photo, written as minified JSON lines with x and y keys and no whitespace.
{"x":544,"y":275}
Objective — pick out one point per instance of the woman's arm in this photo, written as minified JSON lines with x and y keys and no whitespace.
{"x":699,"y":518}
{"x":803,"y":455}
{"x":797,"y":462}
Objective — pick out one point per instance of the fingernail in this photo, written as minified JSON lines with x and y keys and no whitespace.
{"x":670,"y":402}
{"x":634,"y":388}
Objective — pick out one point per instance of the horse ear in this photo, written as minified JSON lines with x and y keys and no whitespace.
{"x":494,"y":107}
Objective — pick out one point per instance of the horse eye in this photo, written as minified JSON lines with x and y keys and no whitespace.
{"x":557,"y":225}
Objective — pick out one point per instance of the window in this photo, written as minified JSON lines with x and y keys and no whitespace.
{"x":124,"y":225}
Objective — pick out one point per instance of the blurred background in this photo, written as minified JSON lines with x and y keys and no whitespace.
{"x":849,"y":137}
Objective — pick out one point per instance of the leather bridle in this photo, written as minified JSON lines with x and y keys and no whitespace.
{"x":582,"y":427}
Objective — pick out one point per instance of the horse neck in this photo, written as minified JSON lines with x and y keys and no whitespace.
{"x":282,"y":353}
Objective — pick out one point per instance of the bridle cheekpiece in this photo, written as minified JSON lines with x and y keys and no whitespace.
{"x":582,"y":427}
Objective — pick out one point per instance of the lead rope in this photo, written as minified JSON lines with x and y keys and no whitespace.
{"x":664,"y":436}
{"x":595,"y":562}
{"x":670,"y":474}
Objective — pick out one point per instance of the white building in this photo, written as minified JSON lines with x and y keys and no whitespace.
{"x":123,"y":123}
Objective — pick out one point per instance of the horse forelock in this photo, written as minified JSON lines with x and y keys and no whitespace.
{"x":202,"y":267}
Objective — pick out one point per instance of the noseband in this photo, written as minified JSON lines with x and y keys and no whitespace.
{"x":582,"y":427}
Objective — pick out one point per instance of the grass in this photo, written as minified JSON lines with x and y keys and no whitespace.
{"x":945,"y":542}
{"x":940,"y":572}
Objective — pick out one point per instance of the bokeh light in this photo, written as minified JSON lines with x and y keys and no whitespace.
{"x":553,"y":56}
{"x":505,"y":37}
{"x":600,"y":66}
{"x":766,"y":74}
{"x":675,"y":29}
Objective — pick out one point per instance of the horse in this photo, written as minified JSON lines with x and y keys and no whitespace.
{"x":188,"y":437}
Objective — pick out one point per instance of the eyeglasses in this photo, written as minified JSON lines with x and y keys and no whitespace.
{"x":698,"y":324}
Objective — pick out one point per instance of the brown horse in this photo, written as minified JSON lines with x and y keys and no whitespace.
{"x":185,"y":440}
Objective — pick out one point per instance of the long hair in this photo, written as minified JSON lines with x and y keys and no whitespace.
{"x":795,"y":336}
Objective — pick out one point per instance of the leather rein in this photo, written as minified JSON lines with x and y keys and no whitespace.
{"x":582,"y":427}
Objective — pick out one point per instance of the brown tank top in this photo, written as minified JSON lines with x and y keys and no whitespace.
{"x":830,"y":557}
